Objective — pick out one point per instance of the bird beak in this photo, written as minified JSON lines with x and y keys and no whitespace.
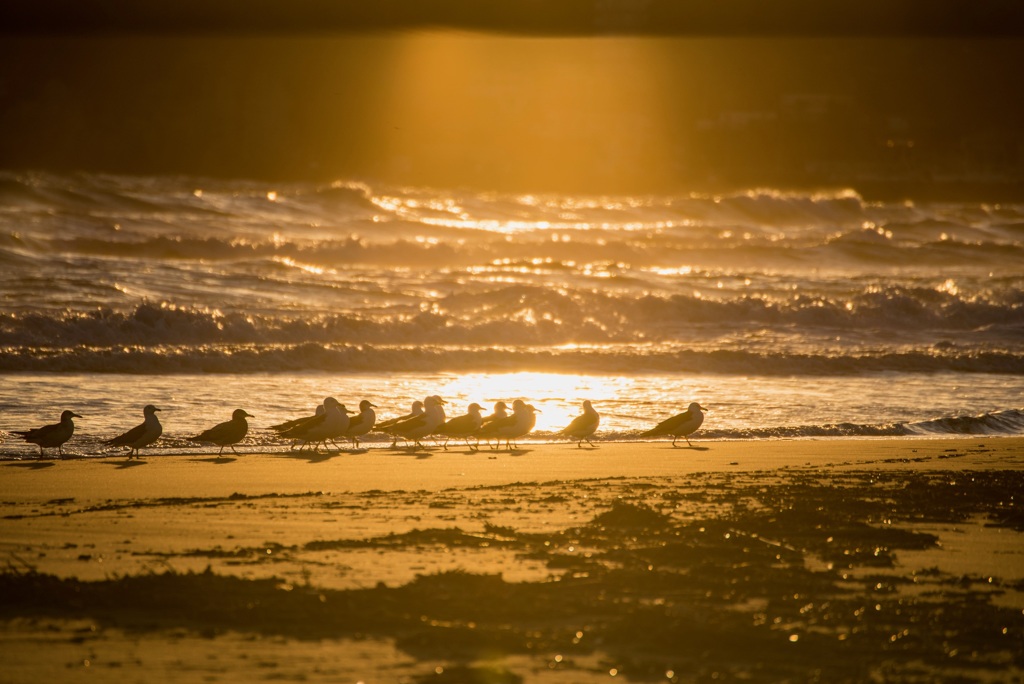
{"x":249,"y":415}
{"x":77,"y":415}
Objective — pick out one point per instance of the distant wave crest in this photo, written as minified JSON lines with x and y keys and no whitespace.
{"x":191,"y":271}
{"x":705,"y":246}
{"x":529,"y":315}
{"x":308,"y":356}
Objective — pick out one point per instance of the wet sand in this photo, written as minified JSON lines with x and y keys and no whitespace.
{"x":835,"y":560}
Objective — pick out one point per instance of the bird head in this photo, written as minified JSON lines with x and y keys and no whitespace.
{"x":240,"y":414}
{"x":68,"y":415}
{"x":149,"y":410}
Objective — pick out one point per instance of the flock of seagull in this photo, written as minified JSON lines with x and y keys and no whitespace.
{"x":332,"y":421}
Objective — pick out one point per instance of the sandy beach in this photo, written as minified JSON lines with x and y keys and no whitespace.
{"x":789,"y":232}
{"x":802,"y":560}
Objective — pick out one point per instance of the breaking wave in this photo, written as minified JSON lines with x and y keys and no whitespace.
{"x":217,"y":358}
{"x":527,"y":315}
{"x":1009,"y":422}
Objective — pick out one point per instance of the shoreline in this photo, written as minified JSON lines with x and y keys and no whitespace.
{"x":89,"y":478}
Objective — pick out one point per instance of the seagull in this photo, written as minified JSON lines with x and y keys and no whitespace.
{"x":362,"y":423}
{"x":510,"y":428}
{"x":289,"y":424}
{"x":462,"y":426}
{"x":421,"y":426}
{"x":319,"y":429}
{"x":50,"y":436}
{"x":385,"y":427}
{"x":583,"y":427}
{"x":226,"y":434}
{"x":282,"y":428}
{"x":681,"y":425}
{"x":500,"y":411}
{"x":141,"y":435}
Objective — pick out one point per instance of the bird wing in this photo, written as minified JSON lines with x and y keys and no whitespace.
{"x":579,"y":424}
{"x":666,"y":426}
{"x":498,"y":424}
{"x":129,"y":437}
{"x":457,"y":426}
{"x":215,"y":434}
{"x":50,"y":435}
{"x":39,"y":432}
{"x":304,"y":426}
{"x":289,"y":424}
{"x":391,"y":422}
{"x":411,"y":424}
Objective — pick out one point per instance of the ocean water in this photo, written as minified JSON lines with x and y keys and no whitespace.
{"x":786,"y":314}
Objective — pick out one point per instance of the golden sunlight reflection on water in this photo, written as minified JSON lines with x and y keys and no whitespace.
{"x":558,"y":397}
{"x":628,"y":404}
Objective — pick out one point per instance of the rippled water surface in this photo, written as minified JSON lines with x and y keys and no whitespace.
{"x":781,"y":309}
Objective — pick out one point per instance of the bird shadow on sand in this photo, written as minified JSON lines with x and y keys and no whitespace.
{"x":693,"y":447}
{"x":218,"y":460}
{"x":313,"y":456}
{"x":31,"y":465}
{"x":415,"y":451}
{"x":121,"y":465}
{"x":515,"y":451}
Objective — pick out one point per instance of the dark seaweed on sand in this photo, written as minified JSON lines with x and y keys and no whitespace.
{"x":789,"y":581}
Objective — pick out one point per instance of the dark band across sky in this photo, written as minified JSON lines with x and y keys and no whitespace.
{"x":940,"y":18}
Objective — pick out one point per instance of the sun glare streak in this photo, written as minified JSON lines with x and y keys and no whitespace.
{"x":558,"y":397}
{"x":308,"y":268}
{"x":539,"y":110}
{"x":445,"y":213}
